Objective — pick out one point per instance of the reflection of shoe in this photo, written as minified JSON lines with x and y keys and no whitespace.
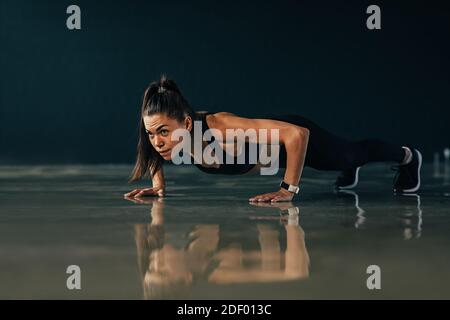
{"x":348,"y":179}
{"x":359,"y":211}
{"x":410,"y":230}
{"x":407,"y":178}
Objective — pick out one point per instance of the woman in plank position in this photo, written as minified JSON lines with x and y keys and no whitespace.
{"x":302,"y":143}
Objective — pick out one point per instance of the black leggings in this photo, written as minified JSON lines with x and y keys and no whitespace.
{"x":327,"y":151}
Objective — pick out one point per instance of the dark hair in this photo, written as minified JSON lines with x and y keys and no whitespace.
{"x":161,"y":96}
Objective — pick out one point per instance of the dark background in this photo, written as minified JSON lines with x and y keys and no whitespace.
{"x":74,"y":96}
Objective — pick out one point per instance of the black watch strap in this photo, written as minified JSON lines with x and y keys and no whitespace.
{"x":289,"y":187}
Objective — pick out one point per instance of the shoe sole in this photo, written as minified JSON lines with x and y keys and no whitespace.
{"x":351,"y":186}
{"x":419,"y":156}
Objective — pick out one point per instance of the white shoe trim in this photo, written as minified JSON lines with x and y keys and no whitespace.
{"x":351,"y":186}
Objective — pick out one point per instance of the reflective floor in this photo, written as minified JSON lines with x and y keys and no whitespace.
{"x":205,"y":241}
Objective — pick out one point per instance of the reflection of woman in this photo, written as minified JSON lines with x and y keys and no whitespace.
{"x":302,"y":142}
{"x":267,"y":265}
{"x":168,"y":272}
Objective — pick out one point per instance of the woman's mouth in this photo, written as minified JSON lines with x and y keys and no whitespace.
{"x":164,"y":153}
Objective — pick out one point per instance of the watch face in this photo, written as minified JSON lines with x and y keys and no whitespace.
{"x":289,"y":187}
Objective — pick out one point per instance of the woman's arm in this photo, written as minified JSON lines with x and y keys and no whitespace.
{"x":294,"y":138}
{"x":296,"y":144}
{"x":157,"y":189}
{"x":158,"y":179}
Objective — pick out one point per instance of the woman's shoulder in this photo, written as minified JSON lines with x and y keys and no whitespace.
{"x":220,"y":114}
{"x":214,"y":118}
{"x":214,"y":114}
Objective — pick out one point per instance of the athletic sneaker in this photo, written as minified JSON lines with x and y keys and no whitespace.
{"x":407,"y":178}
{"x":348,"y":179}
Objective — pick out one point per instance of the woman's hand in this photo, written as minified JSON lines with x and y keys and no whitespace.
{"x":137,"y":193}
{"x":278,"y":196}
{"x":142,"y":200}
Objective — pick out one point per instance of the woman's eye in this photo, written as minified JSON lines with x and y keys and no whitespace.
{"x":150,"y":135}
{"x":164,"y":132}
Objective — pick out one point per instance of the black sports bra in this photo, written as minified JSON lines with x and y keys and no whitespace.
{"x":224,"y":168}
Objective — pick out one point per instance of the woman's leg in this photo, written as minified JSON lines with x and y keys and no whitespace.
{"x":366,"y":151}
{"x":375,"y":150}
{"x":327,"y":151}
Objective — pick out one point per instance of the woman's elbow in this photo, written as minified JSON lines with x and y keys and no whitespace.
{"x":301,"y":134}
{"x":296,"y":136}
{"x":305,"y":132}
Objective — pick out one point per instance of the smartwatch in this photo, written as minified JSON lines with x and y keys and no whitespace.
{"x":289,"y":187}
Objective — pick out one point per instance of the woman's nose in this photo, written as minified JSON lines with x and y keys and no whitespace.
{"x":159,"y":142}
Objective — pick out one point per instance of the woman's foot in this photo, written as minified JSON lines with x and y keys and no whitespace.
{"x":348,"y":179}
{"x":407,"y":178}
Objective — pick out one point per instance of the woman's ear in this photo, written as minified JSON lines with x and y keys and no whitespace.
{"x":188,"y":123}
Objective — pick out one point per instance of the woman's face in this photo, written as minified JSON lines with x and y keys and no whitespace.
{"x":160,"y":128}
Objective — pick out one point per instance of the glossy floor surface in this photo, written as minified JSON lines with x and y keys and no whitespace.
{"x":205,"y":241}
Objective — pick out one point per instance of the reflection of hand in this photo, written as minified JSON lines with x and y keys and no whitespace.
{"x":153,"y":201}
{"x":288,"y":212}
{"x":137,"y":193}
{"x":280,"y":205}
